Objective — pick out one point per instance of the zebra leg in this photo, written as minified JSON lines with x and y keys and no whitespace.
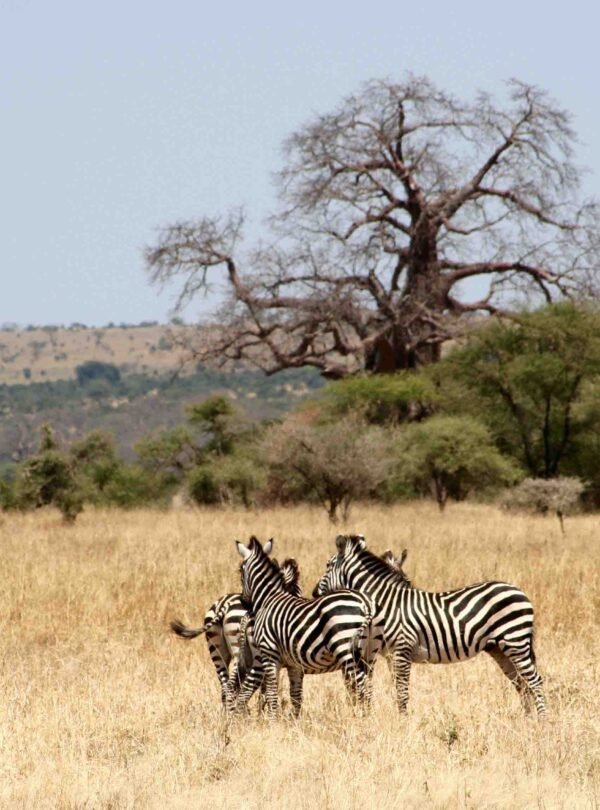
{"x":221,"y":658}
{"x":509,"y":669}
{"x":402,"y":659}
{"x":270,"y":678}
{"x":296,"y":678}
{"x":250,"y":683}
{"x":524,"y":662}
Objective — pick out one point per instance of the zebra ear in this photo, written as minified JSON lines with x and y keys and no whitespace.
{"x":402,"y":557}
{"x":340,"y":543}
{"x":242,"y":550}
{"x":268,"y":547}
{"x":361,"y":542}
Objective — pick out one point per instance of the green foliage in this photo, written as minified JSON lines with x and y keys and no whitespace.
{"x":449,"y":457}
{"x":131,"y":485}
{"x":95,"y":460}
{"x":171,"y":450}
{"x":382,"y":399}
{"x":48,"y":478}
{"x":204,"y":486}
{"x":524,"y":378}
{"x":96,"y":370}
{"x":215,"y":418}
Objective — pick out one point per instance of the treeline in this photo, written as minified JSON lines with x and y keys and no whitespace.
{"x":102,"y":397}
{"x":514,"y":409}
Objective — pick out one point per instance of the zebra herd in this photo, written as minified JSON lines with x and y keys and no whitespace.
{"x":362,"y":606}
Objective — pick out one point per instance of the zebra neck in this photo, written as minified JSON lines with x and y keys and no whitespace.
{"x":265,"y":590}
{"x":370,"y":581}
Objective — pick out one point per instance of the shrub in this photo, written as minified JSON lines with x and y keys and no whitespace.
{"x":336,"y":462}
{"x":450,"y":456}
{"x":382,"y":399}
{"x":543,"y":495}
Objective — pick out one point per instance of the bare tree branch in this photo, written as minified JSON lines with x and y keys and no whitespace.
{"x":389,"y":204}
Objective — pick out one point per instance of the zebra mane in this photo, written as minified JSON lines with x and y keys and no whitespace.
{"x":290,"y":573}
{"x":376,"y":564}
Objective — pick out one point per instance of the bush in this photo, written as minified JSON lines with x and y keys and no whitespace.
{"x":236,"y":478}
{"x":48,"y":478}
{"x":543,"y":495}
{"x":450,"y":456}
{"x":382,"y":399}
{"x":96,"y":370}
{"x":131,"y":485}
{"x":336,"y":462}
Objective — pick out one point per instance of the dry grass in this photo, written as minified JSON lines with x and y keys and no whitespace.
{"x":53,"y":354}
{"x":102,"y":708}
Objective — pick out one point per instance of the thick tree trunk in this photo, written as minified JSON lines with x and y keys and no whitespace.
{"x":413,"y":340}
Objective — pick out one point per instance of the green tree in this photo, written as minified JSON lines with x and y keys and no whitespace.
{"x":524,"y":378}
{"x":449,"y":457}
{"x":96,"y":370}
{"x":218,"y":422}
{"x":131,"y":486}
{"x":96,"y":463}
{"x":383,"y":399}
{"x":170,"y":450}
{"x":49,"y":478}
{"x":234,"y":478}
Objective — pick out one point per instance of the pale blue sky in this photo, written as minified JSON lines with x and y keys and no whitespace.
{"x":121,"y":116}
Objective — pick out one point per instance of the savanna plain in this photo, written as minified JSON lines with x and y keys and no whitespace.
{"x":103,"y":708}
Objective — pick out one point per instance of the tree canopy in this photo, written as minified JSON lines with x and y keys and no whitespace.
{"x":526,"y":379}
{"x":388,"y":205}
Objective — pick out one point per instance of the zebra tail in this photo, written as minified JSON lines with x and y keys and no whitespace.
{"x":532,"y":645}
{"x":361,"y":638}
{"x":186,"y":632}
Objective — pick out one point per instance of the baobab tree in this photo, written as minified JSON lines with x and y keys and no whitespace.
{"x":389,"y":205}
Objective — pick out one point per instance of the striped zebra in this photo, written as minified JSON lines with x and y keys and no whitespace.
{"x":420,"y":626}
{"x":224,"y":626}
{"x":306,"y":636}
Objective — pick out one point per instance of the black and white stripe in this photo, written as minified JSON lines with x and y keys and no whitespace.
{"x":335,"y":631}
{"x":421,"y":626}
{"x":224,"y":628}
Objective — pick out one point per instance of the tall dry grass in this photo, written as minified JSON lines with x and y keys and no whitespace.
{"x":102,"y":708}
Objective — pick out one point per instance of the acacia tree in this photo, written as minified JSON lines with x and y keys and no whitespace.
{"x":528,"y":379}
{"x":336,"y":462}
{"x":388,"y":205}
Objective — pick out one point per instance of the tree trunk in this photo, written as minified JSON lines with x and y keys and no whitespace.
{"x":413,"y":339}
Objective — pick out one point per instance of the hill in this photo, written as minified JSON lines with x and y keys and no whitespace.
{"x":49,"y":353}
{"x":39,"y":383}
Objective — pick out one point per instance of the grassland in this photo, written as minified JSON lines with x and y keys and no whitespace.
{"x":103,"y":708}
{"x":47,"y":354}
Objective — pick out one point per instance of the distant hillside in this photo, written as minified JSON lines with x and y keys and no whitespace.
{"x":39,"y":383}
{"x":52,"y":353}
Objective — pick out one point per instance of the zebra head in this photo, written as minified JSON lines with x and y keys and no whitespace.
{"x":258,"y":573}
{"x":353,"y":556}
{"x":327,"y":582}
{"x":333,"y":578}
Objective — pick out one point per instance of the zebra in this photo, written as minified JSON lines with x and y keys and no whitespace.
{"x":248,"y":664}
{"x":224,"y":627}
{"x":421,"y":626}
{"x":335,"y":631}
